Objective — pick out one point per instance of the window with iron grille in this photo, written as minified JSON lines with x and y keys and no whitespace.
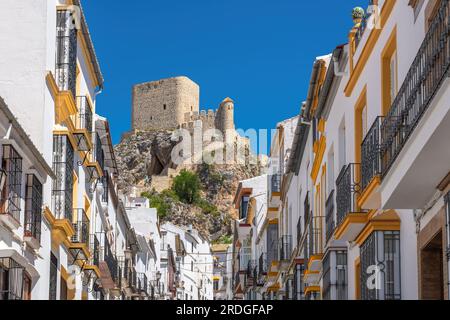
{"x":63,"y":157}
{"x":11,"y":196}
{"x":53,"y":279}
{"x":298,"y":282}
{"x":335,"y":276}
{"x":66,"y":51}
{"x":105,"y":182}
{"x":380,"y":266}
{"x":33,"y":208}
{"x":11,"y":279}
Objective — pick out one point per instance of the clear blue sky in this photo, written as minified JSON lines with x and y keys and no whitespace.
{"x":258,"y":52}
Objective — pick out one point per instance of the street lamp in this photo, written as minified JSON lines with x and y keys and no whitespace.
{"x":2,"y":179}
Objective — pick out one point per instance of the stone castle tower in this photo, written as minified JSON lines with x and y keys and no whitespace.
{"x":173,"y":103}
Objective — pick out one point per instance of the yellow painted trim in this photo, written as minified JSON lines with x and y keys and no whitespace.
{"x":52,"y":86}
{"x":352,"y":218}
{"x":318,"y":159}
{"x":216,"y":278}
{"x":369,"y":190}
{"x":65,"y":132}
{"x":81,"y":246}
{"x":321,"y":125}
{"x":273,"y":210}
{"x":273,"y":221}
{"x":388,"y":221}
{"x":386,"y":55}
{"x":369,"y":46}
{"x":361,"y":103}
{"x":317,"y":257}
{"x":312,"y":289}
{"x":48,"y":215}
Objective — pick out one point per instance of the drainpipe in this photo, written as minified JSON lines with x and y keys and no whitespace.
{"x":447,"y":216}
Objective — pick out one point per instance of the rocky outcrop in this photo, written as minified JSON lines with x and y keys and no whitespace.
{"x":145,"y":156}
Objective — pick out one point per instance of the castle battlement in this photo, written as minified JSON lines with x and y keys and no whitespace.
{"x":174,"y":103}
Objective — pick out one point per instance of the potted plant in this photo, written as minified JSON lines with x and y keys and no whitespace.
{"x":358,"y":14}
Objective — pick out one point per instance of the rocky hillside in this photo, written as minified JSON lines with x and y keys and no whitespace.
{"x":145,"y":156}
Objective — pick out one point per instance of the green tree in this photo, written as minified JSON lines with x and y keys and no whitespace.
{"x":187,"y":187}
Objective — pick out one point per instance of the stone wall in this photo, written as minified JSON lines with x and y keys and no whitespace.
{"x":163,"y":104}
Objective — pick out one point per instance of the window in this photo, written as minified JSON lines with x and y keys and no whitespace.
{"x":165,"y":107}
{"x":298,"y":282}
{"x":389,"y":73}
{"x":66,"y":52}
{"x":63,"y":157}
{"x":380,"y":266}
{"x":342,"y":145}
{"x":33,"y":207}
{"x":10,"y":199}
{"x":244,"y":207}
{"x":53,"y":279}
{"x":11,"y":279}
{"x":216,"y":285}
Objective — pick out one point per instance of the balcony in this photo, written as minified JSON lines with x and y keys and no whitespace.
{"x":274,"y":191}
{"x":244,"y":259}
{"x":83,"y":121}
{"x":109,"y":269}
{"x":262,"y":269}
{"x":79,"y":245}
{"x":273,"y":262}
{"x":329,"y":219}
{"x":285,"y":245}
{"x":97,"y":162}
{"x":414,"y":155}
{"x":316,"y":243}
{"x":371,"y":166}
{"x":96,"y":255}
{"x":142,"y":285}
{"x":350,"y":220}
{"x":250,"y":274}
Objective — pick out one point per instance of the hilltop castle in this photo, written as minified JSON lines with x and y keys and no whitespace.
{"x":173,"y":103}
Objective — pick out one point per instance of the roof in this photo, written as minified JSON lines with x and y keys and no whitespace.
{"x":90,"y":45}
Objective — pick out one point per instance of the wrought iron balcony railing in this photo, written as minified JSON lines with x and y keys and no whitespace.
{"x":272,"y":253}
{"x":251,"y":268}
{"x":262,"y":268}
{"x":10,"y":199}
{"x":285,"y":244}
{"x":348,"y":189}
{"x":299,"y":231}
{"x":315,"y":245}
{"x":66,"y":52}
{"x":81,"y":227}
{"x":371,"y":154}
{"x":99,"y":155}
{"x":142,"y":283}
{"x":112,"y":264}
{"x":425,"y":77}
{"x":95,"y":250}
{"x":330,"y":220}
{"x":84,"y":119}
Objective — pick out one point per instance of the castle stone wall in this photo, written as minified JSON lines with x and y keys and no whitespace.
{"x":163,"y":104}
